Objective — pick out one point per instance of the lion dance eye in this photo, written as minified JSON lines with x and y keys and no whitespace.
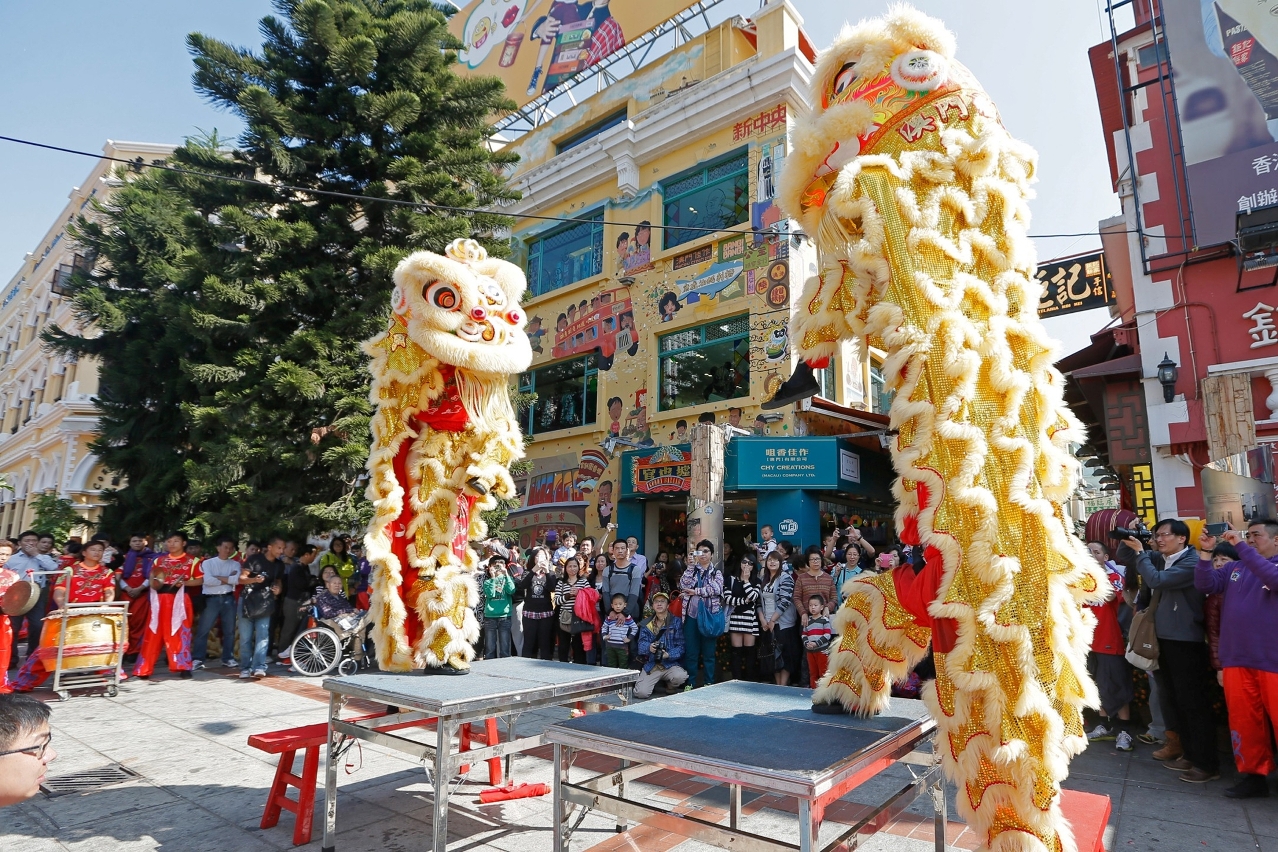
{"x":515,"y":317}
{"x":442,"y":295}
{"x":844,"y":78}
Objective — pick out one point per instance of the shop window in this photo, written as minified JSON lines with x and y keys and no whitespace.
{"x":567,"y":393}
{"x":707,"y":363}
{"x":711,"y":197}
{"x":566,"y":254}
{"x":880,"y":396}
{"x":827,"y":379}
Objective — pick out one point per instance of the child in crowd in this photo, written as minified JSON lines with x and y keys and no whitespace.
{"x":618,"y":629}
{"x":499,"y":594}
{"x":817,"y":636}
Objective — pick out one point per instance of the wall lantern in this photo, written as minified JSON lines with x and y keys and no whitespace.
{"x":1167,"y":373}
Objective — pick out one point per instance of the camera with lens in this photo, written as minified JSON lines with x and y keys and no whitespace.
{"x":1141,"y":534}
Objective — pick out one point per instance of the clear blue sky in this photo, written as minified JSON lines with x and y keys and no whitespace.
{"x":79,"y":72}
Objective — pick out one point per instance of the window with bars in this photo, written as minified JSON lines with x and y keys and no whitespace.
{"x":566,"y":254}
{"x":707,"y":363}
{"x":712,"y":197}
{"x":567,"y":394}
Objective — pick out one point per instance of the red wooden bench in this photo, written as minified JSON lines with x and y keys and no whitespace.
{"x":289,"y":741}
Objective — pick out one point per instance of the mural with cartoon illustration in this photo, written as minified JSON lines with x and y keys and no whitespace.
{"x":605,"y":324}
{"x":634,"y":254}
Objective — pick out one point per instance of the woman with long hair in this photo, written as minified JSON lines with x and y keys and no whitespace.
{"x":572,"y":582}
{"x":741,"y":594}
{"x":777,"y":615}
{"x":538,"y":587}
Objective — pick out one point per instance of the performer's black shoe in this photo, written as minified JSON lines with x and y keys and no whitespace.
{"x":829,"y":708}
{"x":185,"y":675}
{"x":801,"y":385}
{"x":444,"y":670}
{"x":477,"y":485}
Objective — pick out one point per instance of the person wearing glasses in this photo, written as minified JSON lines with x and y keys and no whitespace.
{"x":25,"y":747}
{"x":1183,"y":661}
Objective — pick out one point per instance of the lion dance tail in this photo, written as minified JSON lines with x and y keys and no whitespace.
{"x":924,"y":255}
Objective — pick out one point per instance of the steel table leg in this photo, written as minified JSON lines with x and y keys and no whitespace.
{"x":939,"y":808}
{"x":330,"y":777}
{"x":559,"y":805}
{"x":734,"y":806}
{"x":443,"y":775}
{"x":622,"y":824}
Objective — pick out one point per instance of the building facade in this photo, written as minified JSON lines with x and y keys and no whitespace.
{"x":666,"y":303}
{"x":1185,"y":298}
{"x":48,"y":415}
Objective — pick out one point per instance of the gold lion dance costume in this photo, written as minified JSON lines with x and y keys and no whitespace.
{"x":444,"y":435}
{"x":916,"y":197}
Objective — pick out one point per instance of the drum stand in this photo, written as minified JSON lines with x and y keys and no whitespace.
{"x":96,"y":676}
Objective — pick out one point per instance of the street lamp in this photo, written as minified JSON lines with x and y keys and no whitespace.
{"x":1167,"y":377}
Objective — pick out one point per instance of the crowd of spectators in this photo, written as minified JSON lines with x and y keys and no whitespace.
{"x":1214,"y":606}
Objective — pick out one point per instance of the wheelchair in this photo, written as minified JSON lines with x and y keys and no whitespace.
{"x":332,"y":643}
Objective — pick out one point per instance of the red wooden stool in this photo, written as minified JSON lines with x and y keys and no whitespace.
{"x":490,"y":737}
{"x":288,"y":742}
{"x":1088,"y":814}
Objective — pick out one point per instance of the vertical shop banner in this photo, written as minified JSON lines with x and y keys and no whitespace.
{"x":536,"y":45}
{"x":1224,"y":58}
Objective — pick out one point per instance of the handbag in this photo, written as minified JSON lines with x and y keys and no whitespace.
{"x":257,"y":601}
{"x":710,"y":623}
{"x":1142,"y":642}
{"x":763,"y":650}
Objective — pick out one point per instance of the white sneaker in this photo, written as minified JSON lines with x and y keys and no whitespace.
{"x":230,"y":664}
{"x":1100,"y":732}
{"x":196,"y":665}
{"x":1124,"y":742}
{"x":245,"y":674}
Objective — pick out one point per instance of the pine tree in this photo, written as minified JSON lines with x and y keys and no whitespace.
{"x":229,"y":314}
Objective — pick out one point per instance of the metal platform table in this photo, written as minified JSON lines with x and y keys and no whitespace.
{"x":503,"y":688}
{"x":758,"y":736}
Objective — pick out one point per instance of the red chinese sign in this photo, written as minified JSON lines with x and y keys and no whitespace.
{"x":762,"y":123}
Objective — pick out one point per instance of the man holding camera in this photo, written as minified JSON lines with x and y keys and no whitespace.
{"x":1183,"y":661}
{"x":661,"y":649}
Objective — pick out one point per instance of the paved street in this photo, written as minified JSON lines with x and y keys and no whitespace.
{"x":199,"y":786}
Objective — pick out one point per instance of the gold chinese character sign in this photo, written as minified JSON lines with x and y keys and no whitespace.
{"x":444,"y":435}
{"x":916,"y":197}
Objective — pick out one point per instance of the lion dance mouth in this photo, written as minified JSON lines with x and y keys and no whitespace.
{"x":916,"y":197}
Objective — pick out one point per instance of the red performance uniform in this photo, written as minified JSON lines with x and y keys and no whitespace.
{"x":88,"y":585}
{"x":7,"y":579}
{"x":134,"y":575}
{"x":171,"y":614}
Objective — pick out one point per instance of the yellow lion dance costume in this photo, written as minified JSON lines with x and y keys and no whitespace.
{"x":444,"y":435}
{"x":916,"y":197}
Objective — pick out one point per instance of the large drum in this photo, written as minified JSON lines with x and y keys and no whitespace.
{"x":93,"y":639}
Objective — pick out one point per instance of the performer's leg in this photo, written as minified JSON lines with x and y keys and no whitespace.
{"x":6,"y":652}
{"x":31,"y":675}
{"x":177,"y":642}
{"x":1248,"y":729}
{"x":152,"y":641}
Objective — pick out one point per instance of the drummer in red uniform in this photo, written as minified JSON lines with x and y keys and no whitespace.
{"x":90,"y":582}
{"x":7,"y":579}
{"x":171,"y":610}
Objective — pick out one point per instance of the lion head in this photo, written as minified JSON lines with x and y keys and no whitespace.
{"x":462,"y":308}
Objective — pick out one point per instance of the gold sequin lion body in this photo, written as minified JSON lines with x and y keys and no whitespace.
{"x":444,"y":435}
{"x":916,"y":197}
